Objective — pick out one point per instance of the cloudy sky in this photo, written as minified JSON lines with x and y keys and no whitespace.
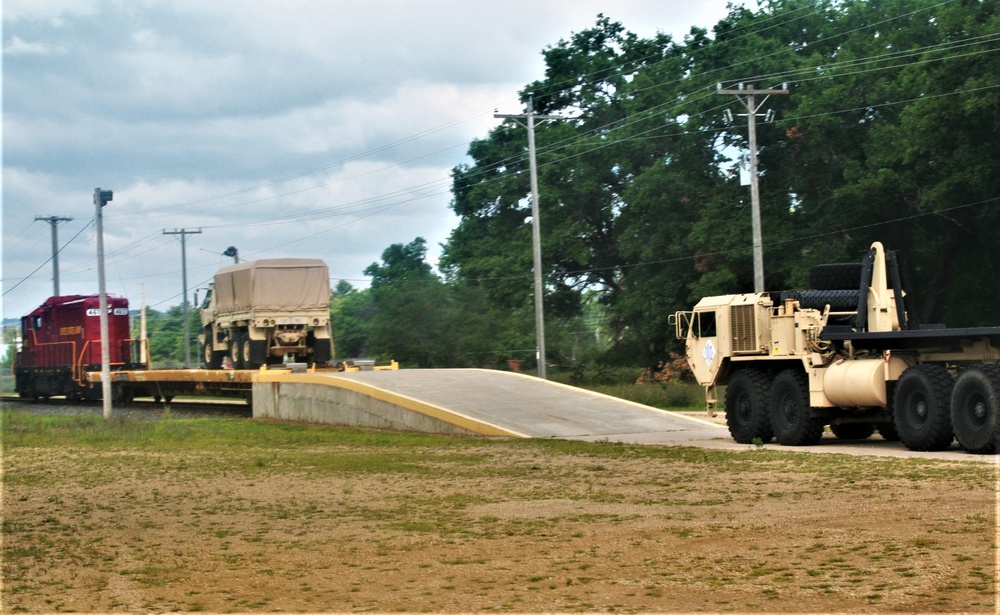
{"x":292,"y":128}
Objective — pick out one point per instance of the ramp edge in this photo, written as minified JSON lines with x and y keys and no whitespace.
{"x":409,"y":403}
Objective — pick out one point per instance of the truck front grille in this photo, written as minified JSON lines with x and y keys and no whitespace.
{"x":744,"y":328}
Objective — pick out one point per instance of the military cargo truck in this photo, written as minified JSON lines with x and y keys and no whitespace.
{"x":258,"y":312}
{"x":844,"y":355}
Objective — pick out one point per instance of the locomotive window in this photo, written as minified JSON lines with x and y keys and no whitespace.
{"x":36,"y":323}
{"x":208,"y":297}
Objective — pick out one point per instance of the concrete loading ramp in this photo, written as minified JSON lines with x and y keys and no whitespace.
{"x":468,"y":401}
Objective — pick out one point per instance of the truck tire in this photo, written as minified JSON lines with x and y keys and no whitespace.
{"x":246,"y":353}
{"x":235,"y":350}
{"x":836,"y":276}
{"x":888,"y":431}
{"x":975,"y":408}
{"x":853,"y":431}
{"x":789,"y":405}
{"x":212,"y":357}
{"x":838,"y":300}
{"x":746,"y":406}
{"x":920,"y":408}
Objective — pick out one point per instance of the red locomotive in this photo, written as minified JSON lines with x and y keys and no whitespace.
{"x":61,"y":342}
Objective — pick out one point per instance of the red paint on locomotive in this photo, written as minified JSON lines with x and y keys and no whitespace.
{"x":61,"y":340}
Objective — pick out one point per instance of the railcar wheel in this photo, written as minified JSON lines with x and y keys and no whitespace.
{"x":29,"y":391}
{"x":789,"y":405}
{"x":975,"y":408}
{"x":853,"y":431}
{"x":746,"y":406}
{"x":920,"y":408}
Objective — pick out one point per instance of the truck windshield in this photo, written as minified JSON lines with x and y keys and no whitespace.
{"x":695,"y":324}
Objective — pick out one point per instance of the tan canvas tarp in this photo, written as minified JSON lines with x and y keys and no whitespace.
{"x":278,"y":284}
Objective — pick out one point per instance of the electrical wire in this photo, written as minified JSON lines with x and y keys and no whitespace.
{"x":743,"y":31}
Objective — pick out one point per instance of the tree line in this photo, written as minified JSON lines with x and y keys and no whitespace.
{"x":889,"y":133}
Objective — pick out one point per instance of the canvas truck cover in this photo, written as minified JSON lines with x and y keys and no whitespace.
{"x":279,"y":284}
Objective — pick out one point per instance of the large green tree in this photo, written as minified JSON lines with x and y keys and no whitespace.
{"x":889,"y":134}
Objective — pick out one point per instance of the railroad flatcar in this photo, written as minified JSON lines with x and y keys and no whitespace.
{"x":61,"y":342}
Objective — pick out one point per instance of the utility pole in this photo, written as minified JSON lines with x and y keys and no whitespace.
{"x":536,"y":233}
{"x":101,"y":198}
{"x":748,"y":97}
{"x":54,"y":220}
{"x":184,"y":279}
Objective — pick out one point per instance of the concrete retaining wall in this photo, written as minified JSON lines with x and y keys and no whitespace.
{"x":322,"y":403}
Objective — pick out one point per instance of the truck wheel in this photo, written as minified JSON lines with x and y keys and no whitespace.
{"x":213,"y":358}
{"x":246,"y":354}
{"x":235,"y":353}
{"x":920,"y":408}
{"x":853,"y":431}
{"x":746,"y":406}
{"x":975,"y":408}
{"x":838,"y":300}
{"x":836,"y":276}
{"x":789,"y":405}
{"x":888,"y":431}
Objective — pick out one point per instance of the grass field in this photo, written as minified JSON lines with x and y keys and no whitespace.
{"x":228,"y":515}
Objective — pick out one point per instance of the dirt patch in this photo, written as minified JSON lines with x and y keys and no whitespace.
{"x":509,"y":528}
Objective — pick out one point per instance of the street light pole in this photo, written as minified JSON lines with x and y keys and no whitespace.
{"x":101,"y":198}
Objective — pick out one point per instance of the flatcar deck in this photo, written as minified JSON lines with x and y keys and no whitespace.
{"x":169,"y":383}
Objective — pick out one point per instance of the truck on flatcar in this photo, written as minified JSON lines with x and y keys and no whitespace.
{"x":61,"y":342}
{"x":258,"y":312}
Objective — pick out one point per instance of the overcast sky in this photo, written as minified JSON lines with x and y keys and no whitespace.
{"x":294,"y":128}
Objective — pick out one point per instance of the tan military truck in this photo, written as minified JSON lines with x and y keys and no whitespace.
{"x":844,"y":356}
{"x":260,"y":311}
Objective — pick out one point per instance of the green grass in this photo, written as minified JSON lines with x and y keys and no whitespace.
{"x":621,"y":383}
{"x":275,"y":447}
{"x":444,"y":503}
{"x":686,"y":396}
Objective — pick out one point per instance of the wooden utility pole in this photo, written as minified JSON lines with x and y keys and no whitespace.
{"x":748,"y":96}
{"x":184,"y":280}
{"x":536,"y":233}
{"x":54,"y":220}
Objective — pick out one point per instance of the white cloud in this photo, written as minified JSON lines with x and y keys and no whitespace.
{"x":18,"y":47}
{"x":222,"y":114}
{"x":51,"y":11}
